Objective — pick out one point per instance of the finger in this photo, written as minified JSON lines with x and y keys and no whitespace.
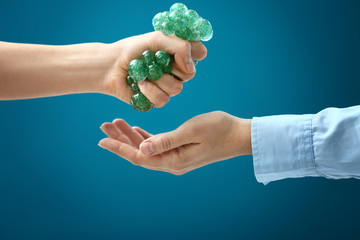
{"x":183,"y":76}
{"x":157,"y":96}
{"x":166,"y":141}
{"x":125,"y":128}
{"x":142,"y":132}
{"x":169,"y":85}
{"x":123,"y":150}
{"x":131,"y":154}
{"x":178,"y":47}
{"x":198,"y":50}
{"x":115,"y":133}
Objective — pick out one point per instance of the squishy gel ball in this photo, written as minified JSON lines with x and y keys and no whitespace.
{"x":155,"y":72}
{"x":162,"y":58}
{"x":179,"y":7}
{"x":184,"y":23}
{"x":140,"y":102}
{"x":168,"y":28}
{"x":204,"y":28}
{"x":151,"y":66}
{"x":148,"y":57}
{"x":167,"y":68}
{"x":191,"y":16}
{"x":135,"y":87}
{"x":129,"y":80}
{"x":138,"y":70}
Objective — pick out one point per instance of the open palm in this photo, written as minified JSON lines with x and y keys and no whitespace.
{"x":202,"y":140}
{"x":125,"y":141}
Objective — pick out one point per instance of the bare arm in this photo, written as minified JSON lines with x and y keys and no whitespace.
{"x":32,"y":71}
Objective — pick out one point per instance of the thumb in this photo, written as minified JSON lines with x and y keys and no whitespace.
{"x":178,"y":47}
{"x":165,"y":142}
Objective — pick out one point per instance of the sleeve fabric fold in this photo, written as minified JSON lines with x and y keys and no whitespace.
{"x":290,"y":146}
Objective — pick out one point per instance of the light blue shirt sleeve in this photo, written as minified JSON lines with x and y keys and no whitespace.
{"x":324,"y":144}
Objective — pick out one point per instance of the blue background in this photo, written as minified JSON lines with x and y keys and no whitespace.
{"x":266,"y":57}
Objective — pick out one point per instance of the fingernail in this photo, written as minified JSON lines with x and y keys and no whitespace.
{"x":146,"y":148}
{"x":190,"y":66}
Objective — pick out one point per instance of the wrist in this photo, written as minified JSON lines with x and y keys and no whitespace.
{"x":90,"y":63}
{"x":242,"y":142}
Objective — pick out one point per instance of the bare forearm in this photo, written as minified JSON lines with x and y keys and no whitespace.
{"x":31,"y":71}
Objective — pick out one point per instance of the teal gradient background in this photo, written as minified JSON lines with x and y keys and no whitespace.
{"x":266,"y":57}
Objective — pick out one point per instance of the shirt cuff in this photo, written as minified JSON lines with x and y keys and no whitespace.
{"x":282,"y":147}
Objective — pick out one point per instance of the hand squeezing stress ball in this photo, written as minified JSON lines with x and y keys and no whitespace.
{"x":181,"y":22}
{"x":33,"y":71}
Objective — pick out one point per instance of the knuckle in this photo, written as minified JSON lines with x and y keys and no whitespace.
{"x":156,"y":38}
{"x":161,"y":100}
{"x":189,"y":76}
{"x":166,"y":143}
{"x":186,"y":45}
{"x":177,"y":88}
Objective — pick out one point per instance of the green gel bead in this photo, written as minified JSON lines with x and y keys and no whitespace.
{"x":167,"y":68}
{"x":155,"y":72}
{"x":168,"y":28}
{"x":208,"y":37}
{"x":177,"y":17}
{"x":148,"y":57}
{"x":165,"y":16}
{"x":138,"y":70}
{"x":178,"y":6}
{"x":191,"y":16}
{"x":140,"y":102}
{"x":156,"y":18}
{"x":196,"y":62}
{"x":162,"y":58}
{"x":135,"y":87}
{"x":157,"y":26}
{"x":194,"y":36}
{"x":204,"y":27}
{"x":184,"y":33}
{"x":129,"y":80}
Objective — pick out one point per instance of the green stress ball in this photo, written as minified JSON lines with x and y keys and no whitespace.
{"x":151,"y":66}
{"x":179,"y":7}
{"x":140,"y":102}
{"x":155,"y":72}
{"x":148,"y":57}
{"x":138,"y":70}
{"x":162,"y":58}
{"x":184,"y":23}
